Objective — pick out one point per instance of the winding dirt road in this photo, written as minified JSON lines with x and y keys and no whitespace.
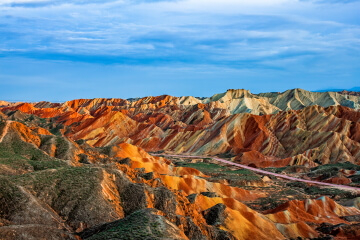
{"x":343,"y":187}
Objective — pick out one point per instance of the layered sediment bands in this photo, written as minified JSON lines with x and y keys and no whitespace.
{"x":318,"y":210}
{"x":241,"y":221}
{"x":188,"y":180}
{"x":287,"y":138}
{"x":295,"y":230}
{"x":295,"y":127}
{"x":103,"y":187}
{"x":191,"y":185}
{"x":105,"y":129}
{"x":294,"y":217}
{"x":24,"y":133}
{"x":141,"y":159}
{"x":252,"y":223}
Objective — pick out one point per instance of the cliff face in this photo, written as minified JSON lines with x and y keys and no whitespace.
{"x":81,"y":169}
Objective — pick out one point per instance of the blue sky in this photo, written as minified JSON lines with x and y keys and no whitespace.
{"x":65,"y":49}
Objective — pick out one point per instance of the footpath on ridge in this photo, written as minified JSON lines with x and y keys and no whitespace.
{"x":5,"y":130}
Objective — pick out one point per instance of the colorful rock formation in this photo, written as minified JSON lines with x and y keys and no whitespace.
{"x":82,"y":169}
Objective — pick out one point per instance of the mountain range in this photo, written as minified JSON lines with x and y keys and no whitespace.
{"x":116,"y":168}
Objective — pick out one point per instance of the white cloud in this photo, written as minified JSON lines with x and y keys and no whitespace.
{"x":21,"y":1}
{"x":238,"y":2}
{"x":200,"y":30}
{"x":223,"y":6}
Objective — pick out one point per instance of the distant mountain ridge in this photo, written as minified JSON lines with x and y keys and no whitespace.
{"x":233,"y":100}
{"x":354,"y":89}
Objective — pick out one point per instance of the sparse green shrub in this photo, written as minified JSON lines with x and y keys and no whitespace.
{"x":10,"y":197}
{"x":62,"y":146}
{"x":331,"y":192}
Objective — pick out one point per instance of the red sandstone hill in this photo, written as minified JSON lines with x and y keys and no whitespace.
{"x":303,"y":134}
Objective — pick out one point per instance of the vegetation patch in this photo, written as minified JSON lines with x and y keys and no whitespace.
{"x":62,"y":146}
{"x":266,"y":203}
{"x":218,"y":172}
{"x":2,"y":125}
{"x":10,"y":198}
{"x":345,"y":165}
{"x":105,"y":150}
{"x":21,"y":155}
{"x":72,"y":179}
{"x":141,"y":224}
{"x":43,"y":165}
{"x":55,"y":130}
{"x":275,"y":170}
{"x":331,"y":192}
{"x":203,"y":167}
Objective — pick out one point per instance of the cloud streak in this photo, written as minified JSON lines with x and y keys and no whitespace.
{"x":3,"y":2}
{"x":286,"y":36}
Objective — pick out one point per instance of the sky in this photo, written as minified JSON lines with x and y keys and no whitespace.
{"x":57,"y":50}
